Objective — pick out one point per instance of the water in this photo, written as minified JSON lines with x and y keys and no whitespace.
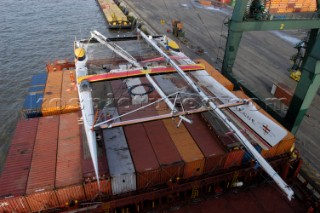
{"x":33,"y":32}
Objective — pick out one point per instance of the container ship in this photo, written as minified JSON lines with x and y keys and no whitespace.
{"x":135,"y":125}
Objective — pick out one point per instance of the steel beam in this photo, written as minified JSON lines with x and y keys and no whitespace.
{"x":268,"y":25}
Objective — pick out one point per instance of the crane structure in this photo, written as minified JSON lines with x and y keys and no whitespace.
{"x":309,"y":82}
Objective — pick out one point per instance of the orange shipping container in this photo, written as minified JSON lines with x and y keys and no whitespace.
{"x":68,"y":171}
{"x":15,"y":204}
{"x":188,"y":149}
{"x":208,"y":144}
{"x":234,"y":158}
{"x":42,"y":200}
{"x":43,"y":165}
{"x":70,"y":193}
{"x":92,"y":189}
{"x":69,"y":93}
{"x":165,"y":150}
{"x":51,"y":104}
{"x":216,"y":74}
{"x":284,"y":145}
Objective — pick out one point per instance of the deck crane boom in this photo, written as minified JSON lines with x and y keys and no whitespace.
{"x":114,"y":47}
{"x":263,"y":163}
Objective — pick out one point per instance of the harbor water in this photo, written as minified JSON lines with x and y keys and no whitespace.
{"x":31,"y":34}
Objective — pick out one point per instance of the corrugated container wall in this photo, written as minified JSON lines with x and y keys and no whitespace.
{"x":69,"y":93}
{"x":208,"y":144}
{"x":42,"y":200}
{"x":146,"y":165}
{"x":188,"y":149}
{"x":68,"y":170}
{"x":32,"y":105}
{"x":51,"y":104}
{"x":43,"y":165}
{"x":122,"y":172}
{"x":167,"y":154}
{"x":70,"y":193}
{"x":15,"y":204}
{"x":92,"y":189}
{"x":13,"y":180}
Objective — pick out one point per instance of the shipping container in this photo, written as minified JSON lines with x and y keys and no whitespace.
{"x":69,"y":93}
{"x":13,"y":180}
{"x":92,"y":189}
{"x":120,"y":93}
{"x":14,"y":204}
{"x":88,"y":172}
{"x":167,"y":154}
{"x":32,"y":105}
{"x":68,"y":170}
{"x":208,"y":143}
{"x":188,"y":149}
{"x":36,"y":89}
{"x":146,"y":165}
{"x":216,"y":74}
{"x":284,"y":146}
{"x":43,"y":165}
{"x":283,"y":92}
{"x":51,"y":104}
{"x":39,"y":79}
{"x":42,"y":200}
{"x":234,"y":158}
{"x":122,"y":172}
{"x":137,"y":91}
{"x":248,"y":157}
{"x":70,"y":194}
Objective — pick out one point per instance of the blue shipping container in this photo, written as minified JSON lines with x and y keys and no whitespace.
{"x":32,"y":105}
{"x":36,"y":89}
{"x":39,"y":79}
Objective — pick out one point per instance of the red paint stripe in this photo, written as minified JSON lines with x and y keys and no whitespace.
{"x":157,"y":70}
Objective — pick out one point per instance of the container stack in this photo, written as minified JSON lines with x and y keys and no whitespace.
{"x":289,"y":6}
{"x":14,"y":177}
{"x":121,"y":167}
{"x":33,"y":101}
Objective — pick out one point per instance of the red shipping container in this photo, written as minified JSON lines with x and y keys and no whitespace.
{"x":208,"y":144}
{"x":86,"y":161}
{"x":144,"y":159}
{"x":92,"y":189}
{"x":166,"y":152}
{"x":42,"y":201}
{"x":43,"y":165}
{"x":13,"y":180}
{"x":120,"y":93}
{"x":68,"y":170}
{"x":70,"y":193}
{"x":234,"y":158}
{"x":15,"y":204}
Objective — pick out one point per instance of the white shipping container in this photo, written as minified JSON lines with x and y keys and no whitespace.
{"x":121,"y":167}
